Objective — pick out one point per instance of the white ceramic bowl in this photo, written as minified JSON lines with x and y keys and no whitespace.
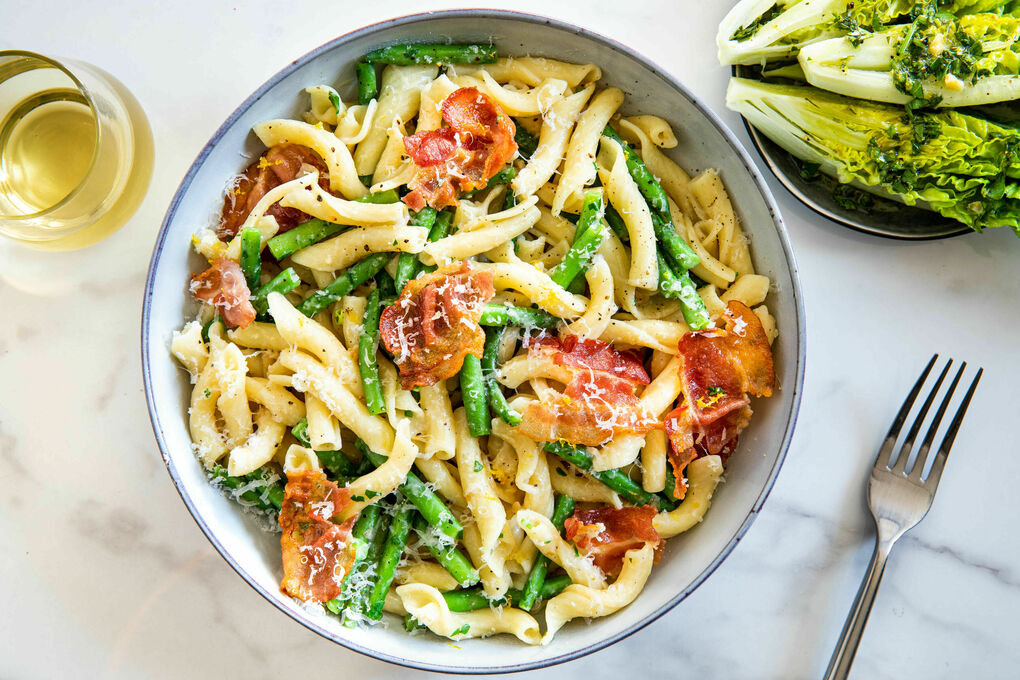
{"x":704,"y":143}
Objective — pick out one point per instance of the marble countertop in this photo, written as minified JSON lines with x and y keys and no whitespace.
{"x":104,"y":574}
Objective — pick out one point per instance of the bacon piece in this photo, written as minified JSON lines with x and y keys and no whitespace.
{"x":719,"y":368}
{"x":277,"y":165}
{"x":462,"y":157}
{"x":606,"y":534}
{"x":223,"y":286}
{"x":599,"y":401}
{"x":433,"y":324}
{"x":597,"y":355}
{"x":317,"y":552}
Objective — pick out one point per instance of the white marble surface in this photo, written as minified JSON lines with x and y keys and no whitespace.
{"x":104,"y":574}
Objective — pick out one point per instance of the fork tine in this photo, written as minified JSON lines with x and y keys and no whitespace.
{"x":922,"y":453}
{"x":897,"y":424}
{"x":947,"y":441}
{"x":903,"y":457}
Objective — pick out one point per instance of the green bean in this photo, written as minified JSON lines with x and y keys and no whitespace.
{"x":267,"y":495}
{"x":363,"y":536}
{"x":452,"y":559}
{"x":473,"y":599}
{"x":386,"y":286}
{"x":353,"y":277}
{"x":504,"y":176}
{"x":366,"y":180}
{"x":506,"y":315}
{"x":473,"y":392}
{"x":497,"y":401}
{"x":691,"y":304}
{"x":251,"y":256}
{"x":526,"y":142}
{"x":617,"y":224}
{"x":303,"y":235}
{"x":676,"y":248}
{"x":368,"y":343}
{"x":587,"y":239}
{"x":335,"y":462}
{"x":406,"y":55}
{"x":282,"y":283}
{"x":536,"y":579}
{"x":673,"y":246}
{"x":407,"y":264}
{"x":400,"y":529}
{"x":380,"y":197}
{"x":368,"y":88}
{"x":208,"y":324}
{"x":425,"y":499}
{"x":614,"y":479}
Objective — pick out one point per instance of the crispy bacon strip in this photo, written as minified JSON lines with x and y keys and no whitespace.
{"x":598,"y":403}
{"x":223,"y":286}
{"x":433,"y":324}
{"x":317,"y":552}
{"x":277,"y":165}
{"x":719,"y":369}
{"x":462,"y":157}
{"x":606,"y":534}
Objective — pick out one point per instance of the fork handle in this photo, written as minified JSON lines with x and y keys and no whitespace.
{"x":853,"y":628}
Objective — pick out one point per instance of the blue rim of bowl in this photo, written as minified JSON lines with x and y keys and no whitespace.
{"x":701,"y":108}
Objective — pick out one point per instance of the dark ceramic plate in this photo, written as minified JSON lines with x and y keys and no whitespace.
{"x":882,"y":217}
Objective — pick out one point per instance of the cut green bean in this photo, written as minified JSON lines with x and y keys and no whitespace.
{"x":380,"y":197}
{"x":335,"y":462}
{"x":303,"y":235}
{"x":408,"y":265}
{"x":504,"y":176}
{"x":396,"y":541}
{"x":266,"y":494}
{"x":353,"y":277}
{"x":473,"y":599}
{"x":506,"y":315}
{"x":614,"y":479}
{"x":452,"y":559}
{"x":386,"y":286}
{"x":425,"y":499}
{"x":406,"y":55}
{"x":251,"y":256}
{"x":363,"y":536}
{"x":526,"y":142}
{"x":473,"y":392}
{"x":616,"y":223}
{"x":536,"y":579}
{"x":368,"y":87}
{"x":282,"y":283}
{"x":493,"y":336}
{"x":691,"y":304}
{"x":368,"y":344}
{"x":587,"y":239}
{"x":676,"y":249}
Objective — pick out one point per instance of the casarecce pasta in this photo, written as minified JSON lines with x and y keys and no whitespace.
{"x":474,"y":343}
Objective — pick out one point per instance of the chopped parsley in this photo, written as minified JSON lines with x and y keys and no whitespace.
{"x":358,"y":499}
{"x":852,"y":198}
{"x":806,"y":169}
{"x":747,"y":32}
{"x":334,"y":99}
{"x":561,"y":472}
{"x":207,"y":393}
{"x":463,"y":630}
{"x":716,"y":391}
{"x":369,"y":493}
{"x":478,"y":466}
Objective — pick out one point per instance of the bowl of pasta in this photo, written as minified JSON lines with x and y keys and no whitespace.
{"x":452,"y":331}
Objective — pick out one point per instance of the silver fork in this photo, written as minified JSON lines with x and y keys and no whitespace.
{"x":900,"y":497}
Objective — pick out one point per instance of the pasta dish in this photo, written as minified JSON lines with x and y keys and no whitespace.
{"x":474,"y":345}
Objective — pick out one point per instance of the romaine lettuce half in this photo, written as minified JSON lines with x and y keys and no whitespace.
{"x":757,"y":31}
{"x":965,"y":167}
{"x":938,"y":60}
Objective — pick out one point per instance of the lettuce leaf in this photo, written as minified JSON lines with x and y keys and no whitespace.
{"x":937,"y":59}
{"x":758,"y":31}
{"x":961,"y":165}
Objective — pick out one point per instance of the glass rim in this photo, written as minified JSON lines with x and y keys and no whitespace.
{"x":98,"y":133}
